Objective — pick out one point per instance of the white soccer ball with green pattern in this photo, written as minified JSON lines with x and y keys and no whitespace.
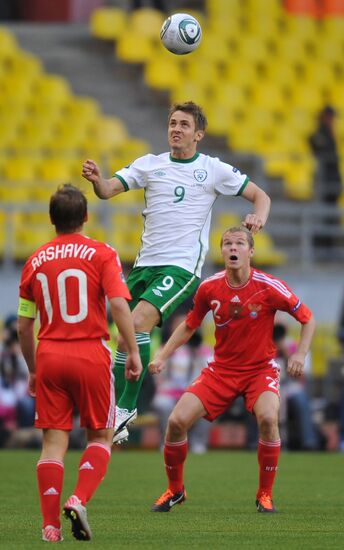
{"x":181,"y":33}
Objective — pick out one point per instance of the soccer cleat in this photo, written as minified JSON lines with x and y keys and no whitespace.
{"x":76,"y":512}
{"x":265,"y":504}
{"x":123,"y":419}
{"x":120,"y":436}
{"x":51,"y":534}
{"x":168,"y":500}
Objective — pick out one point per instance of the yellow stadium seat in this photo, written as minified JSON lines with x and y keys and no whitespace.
{"x":8,"y":45}
{"x":161,"y":75}
{"x":82,"y":107}
{"x":187,"y":90}
{"x":263,"y":118}
{"x":95,"y":231}
{"x":283,"y":76}
{"x":52,"y":89}
{"x":57,"y":170}
{"x":229,"y":28}
{"x":214,"y":253}
{"x":254,"y":50}
{"x":307,"y":96}
{"x":146,"y":22}
{"x":333,"y":29}
{"x":106,"y":136}
{"x":133,"y":48}
{"x":3,"y":225}
{"x":291,"y":51}
{"x":231,"y":94}
{"x":21,"y":169}
{"x":27,"y":238}
{"x":131,"y":149}
{"x":301,"y":121}
{"x":224,"y":8}
{"x":265,"y":253}
{"x":226,"y":220}
{"x":269,"y":8}
{"x":329,"y":52}
{"x":302,"y":28}
{"x":20,"y":193}
{"x":321,"y":76}
{"x":48,"y":115}
{"x":240,"y":73}
{"x":276,"y":164}
{"x":33,"y":135}
{"x":26,"y":66}
{"x":213,"y":48}
{"x":201,"y":71}
{"x":270,"y":97}
{"x":16,"y":89}
{"x":108,"y":23}
{"x":298,"y":179}
{"x":336,"y":97}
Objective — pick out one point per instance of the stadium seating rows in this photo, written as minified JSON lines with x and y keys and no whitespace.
{"x":262,"y":86}
{"x":46,"y":129}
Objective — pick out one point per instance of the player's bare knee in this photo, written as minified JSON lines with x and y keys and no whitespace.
{"x":176,"y":425}
{"x":267,"y":421}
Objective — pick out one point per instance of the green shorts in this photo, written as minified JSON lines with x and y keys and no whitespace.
{"x":166,"y":287}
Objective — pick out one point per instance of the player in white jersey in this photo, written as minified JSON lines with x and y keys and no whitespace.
{"x":180,"y":189}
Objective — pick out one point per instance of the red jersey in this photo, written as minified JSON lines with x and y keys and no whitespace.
{"x":68,"y":279}
{"x":244,"y":316}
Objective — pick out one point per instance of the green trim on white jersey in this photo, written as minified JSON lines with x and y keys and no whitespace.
{"x":124,"y":183}
{"x":243,"y":185}
{"x":173,"y":159}
{"x":179,"y":196}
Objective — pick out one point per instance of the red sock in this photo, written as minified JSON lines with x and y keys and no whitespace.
{"x":50,"y":481}
{"x":92,"y":469}
{"x":175,"y":456}
{"x":268,"y":454}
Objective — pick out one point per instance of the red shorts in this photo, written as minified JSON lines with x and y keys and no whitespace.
{"x":73,"y":374}
{"x":217,"y":388}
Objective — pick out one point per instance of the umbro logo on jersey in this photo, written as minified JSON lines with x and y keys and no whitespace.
{"x":50,"y":491}
{"x":159,"y":173}
{"x":86,"y":466}
{"x":235,"y":299}
{"x":157,"y":292}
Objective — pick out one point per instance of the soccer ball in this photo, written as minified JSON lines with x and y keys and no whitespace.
{"x":181,"y":33}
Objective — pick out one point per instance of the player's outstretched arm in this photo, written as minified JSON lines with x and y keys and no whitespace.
{"x":261,"y":202}
{"x":296,"y":361}
{"x":103,"y":188}
{"x":180,"y":336}
{"x":27,"y":344}
{"x":122,"y":317}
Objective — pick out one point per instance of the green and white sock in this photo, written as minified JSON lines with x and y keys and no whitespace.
{"x":128,"y":397}
{"x":119,"y":372}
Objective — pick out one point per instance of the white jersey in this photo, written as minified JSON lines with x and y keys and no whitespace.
{"x":179,"y":196}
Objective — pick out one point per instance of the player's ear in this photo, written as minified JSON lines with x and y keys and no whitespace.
{"x":199,"y":135}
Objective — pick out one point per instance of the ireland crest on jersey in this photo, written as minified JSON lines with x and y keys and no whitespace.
{"x":200,"y":175}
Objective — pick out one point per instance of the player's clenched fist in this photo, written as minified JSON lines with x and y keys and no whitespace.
{"x":156,"y":366}
{"x":133,"y":367}
{"x":91,"y":171}
{"x":253,"y":223}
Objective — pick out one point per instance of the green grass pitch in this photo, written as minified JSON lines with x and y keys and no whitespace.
{"x":219,"y":511}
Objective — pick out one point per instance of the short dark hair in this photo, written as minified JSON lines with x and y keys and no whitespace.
{"x":193,"y":109}
{"x":243,"y":229}
{"x":68,"y":208}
